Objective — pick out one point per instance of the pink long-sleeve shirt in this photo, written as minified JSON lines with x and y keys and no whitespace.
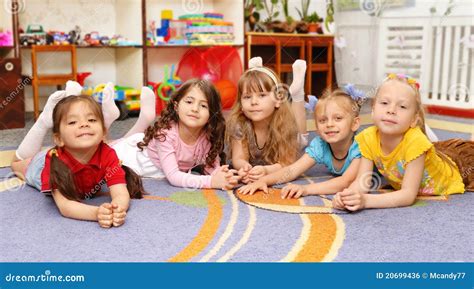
{"x":176,"y":158}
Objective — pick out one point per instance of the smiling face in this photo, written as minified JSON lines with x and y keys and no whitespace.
{"x":257,"y":97}
{"x":335,"y":121}
{"x":193,"y":109}
{"x":395,"y":108}
{"x":80,"y":128}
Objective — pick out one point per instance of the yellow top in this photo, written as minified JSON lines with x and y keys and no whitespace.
{"x":439,"y":177}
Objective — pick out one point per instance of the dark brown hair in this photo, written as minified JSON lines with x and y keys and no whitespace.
{"x":214,"y":129}
{"x":61,"y":177}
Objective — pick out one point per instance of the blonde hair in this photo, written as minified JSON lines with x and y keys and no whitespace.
{"x":282,"y":142}
{"x":419,"y":110}
{"x":342,"y":98}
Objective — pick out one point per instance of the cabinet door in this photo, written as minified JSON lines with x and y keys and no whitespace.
{"x":12,"y":104}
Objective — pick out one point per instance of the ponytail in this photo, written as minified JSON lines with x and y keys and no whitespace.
{"x":61,"y":178}
{"x":134,"y":183}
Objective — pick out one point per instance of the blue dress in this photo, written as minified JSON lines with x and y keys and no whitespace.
{"x":319,"y":150}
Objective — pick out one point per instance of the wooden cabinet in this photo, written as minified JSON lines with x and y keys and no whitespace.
{"x":12,"y":106}
{"x":12,"y":102}
{"x":280,"y":50}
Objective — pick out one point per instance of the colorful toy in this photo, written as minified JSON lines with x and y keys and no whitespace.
{"x":127,"y":99}
{"x":92,"y":39}
{"x":34,"y":35}
{"x":164,"y":89}
{"x":214,"y":64}
{"x":6,"y":38}
{"x":208,"y":28}
{"x":57,"y":38}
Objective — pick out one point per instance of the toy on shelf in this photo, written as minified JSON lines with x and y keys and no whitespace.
{"x":63,"y":38}
{"x":208,"y":28}
{"x":164,"y":31}
{"x":164,"y":89}
{"x":75,"y":35}
{"x":91,"y":39}
{"x":6,"y":38}
{"x":57,"y":38}
{"x":34,"y":35}
{"x":127,"y":99}
{"x":193,"y":29}
{"x":220,"y":64}
{"x":95,"y":39}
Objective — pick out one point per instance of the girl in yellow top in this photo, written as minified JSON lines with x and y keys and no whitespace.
{"x":398,"y":147}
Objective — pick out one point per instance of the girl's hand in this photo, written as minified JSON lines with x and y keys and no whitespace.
{"x":293,"y":191}
{"x":353,"y":201}
{"x":253,"y":187}
{"x":244,"y":173}
{"x":256,"y":173}
{"x":118,"y":215}
{"x":224,"y":178}
{"x":337,"y":202}
{"x":104,"y":215}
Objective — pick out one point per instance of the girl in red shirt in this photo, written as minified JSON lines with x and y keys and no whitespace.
{"x":80,"y":165}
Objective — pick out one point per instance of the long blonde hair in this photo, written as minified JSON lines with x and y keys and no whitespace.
{"x":419,"y":110}
{"x":282,"y":142}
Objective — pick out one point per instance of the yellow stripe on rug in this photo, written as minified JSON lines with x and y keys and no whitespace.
{"x":6,"y":158}
{"x":11,"y":184}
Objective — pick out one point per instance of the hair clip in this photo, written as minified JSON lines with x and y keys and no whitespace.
{"x":311,"y":104}
{"x":408,"y":79}
{"x":353,"y":92}
{"x":53,"y":152}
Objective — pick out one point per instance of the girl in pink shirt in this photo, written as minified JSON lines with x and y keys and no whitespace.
{"x":188,"y":138}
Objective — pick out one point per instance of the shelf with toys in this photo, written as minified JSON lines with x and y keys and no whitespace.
{"x":108,"y":35}
{"x":174,"y":28}
{"x":119,"y":40}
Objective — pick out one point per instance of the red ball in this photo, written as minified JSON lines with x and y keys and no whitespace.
{"x":228,"y":92}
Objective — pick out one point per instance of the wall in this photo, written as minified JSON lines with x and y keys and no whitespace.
{"x":356,"y":63}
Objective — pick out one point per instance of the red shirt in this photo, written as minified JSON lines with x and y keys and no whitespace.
{"x":103,"y":168}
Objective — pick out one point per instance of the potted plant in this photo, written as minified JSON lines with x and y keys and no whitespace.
{"x":309,"y":22}
{"x":252,"y":17}
{"x":313,"y":22}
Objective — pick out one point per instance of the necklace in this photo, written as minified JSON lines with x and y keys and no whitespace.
{"x":256,"y":142}
{"x":337,"y":159}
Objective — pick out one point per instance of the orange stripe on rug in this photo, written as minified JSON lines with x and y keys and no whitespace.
{"x":321,"y":237}
{"x":207,"y":231}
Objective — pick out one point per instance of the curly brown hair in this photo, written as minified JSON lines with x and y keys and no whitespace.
{"x":214,"y":128}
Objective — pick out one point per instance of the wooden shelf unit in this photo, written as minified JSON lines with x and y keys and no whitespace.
{"x":148,"y":62}
{"x":280,"y":50}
